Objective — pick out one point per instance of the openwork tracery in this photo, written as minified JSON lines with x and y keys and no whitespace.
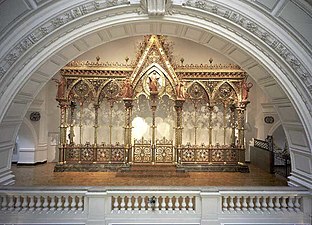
{"x":184,"y":114}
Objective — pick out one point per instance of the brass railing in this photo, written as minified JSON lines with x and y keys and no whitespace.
{"x":95,"y":153}
{"x":188,"y":154}
{"x":144,"y":152}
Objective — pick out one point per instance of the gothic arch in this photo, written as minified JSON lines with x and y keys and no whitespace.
{"x":203,"y":88}
{"x":230,"y":84}
{"x":103,"y":86}
{"x":154,"y":67}
{"x":81,"y":80}
{"x":274,"y":55}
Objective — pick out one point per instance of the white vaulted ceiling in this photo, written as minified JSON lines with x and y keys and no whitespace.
{"x":263,"y":37}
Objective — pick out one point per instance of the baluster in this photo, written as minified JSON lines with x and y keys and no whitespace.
{"x":31,"y":205}
{"x":39,"y":203}
{"x":291,"y":204}
{"x":52,"y":204}
{"x":66,"y":203}
{"x":116,"y":204}
{"x":190,"y":204}
{"x":4,"y":203}
{"x":284,"y":204}
{"x":238,"y":204}
{"x":45,"y":203}
{"x":176,"y":204}
{"x":297,"y":204}
{"x":157,"y":203}
{"x":251,"y":203}
{"x":143,"y":204}
{"x":80,"y":203}
{"x":71,"y":203}
{"x":270,"y":205}
{"x":149,"y":204}
{"x":11,"y":202}
{"x":170,"y":204}
{"x":257,"y":205}
{"x":277,"y":204}
{"x":59,"y":205}
{"x":25,"y":203}
{"x":129,"y":204}
{"x":136,"y":203}
{"x":264,"y":205}
{"x":225,"y":203}
{"x":163,"y":203}
{"x":244,"y":204}
{"x":123,"y":204}
{"x":18,"y":203}
{"x":231,"y":208}
{"x":183,"y":203}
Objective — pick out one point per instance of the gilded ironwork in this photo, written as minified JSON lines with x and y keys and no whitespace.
{"x":142,"y":151}
{"x":164,"y":151}
{"x":98,"y":86}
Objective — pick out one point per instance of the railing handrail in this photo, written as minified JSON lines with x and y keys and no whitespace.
{"x":55,"y":204}
{"x":163,"y":189}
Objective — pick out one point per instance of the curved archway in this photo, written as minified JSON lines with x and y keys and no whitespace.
{"x":25,"y":72}
{"x":27,"y":143}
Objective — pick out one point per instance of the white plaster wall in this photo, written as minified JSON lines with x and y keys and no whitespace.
{"x":26,"y":143}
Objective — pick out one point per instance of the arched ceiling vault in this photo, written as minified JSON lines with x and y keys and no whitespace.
{"x":278,"y":61}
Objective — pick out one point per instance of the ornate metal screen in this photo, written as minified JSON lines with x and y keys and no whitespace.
{"x":96,"y":102}
{"x":145,"y":153}
{"x":189,"y":154}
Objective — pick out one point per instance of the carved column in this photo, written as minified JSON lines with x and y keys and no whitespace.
{"x":153,"y":97}
{"x":128,"y":127}
{"x":210,"y":125}
{"x":96,"y":122}
{"x":111,"y":104}
{"x":63,"y":129}
{"x":71,"y":122}
{"x":195,"y":122}
{"x":224,"y":122}
{"x":233,"y":125}
{"x":240,"y":127}
{"x":179,"y":126}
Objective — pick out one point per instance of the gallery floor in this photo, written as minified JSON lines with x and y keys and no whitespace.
{"x":43,"y":175}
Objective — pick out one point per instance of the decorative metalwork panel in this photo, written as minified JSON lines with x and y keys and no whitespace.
{"x":87,"y":154}
{"x":103,"y":155}
{"x":217,"y":155}
{"x":118,"y":155}
{"x":188,"y":155}
{"x":202,"y":155}
{"x":142,"y":154}
{"x":71,"y":154}
{"x":164,"y":154}
{"x":208,"y":155}
{"x":142,"y":151}
{"x":231,"y":155}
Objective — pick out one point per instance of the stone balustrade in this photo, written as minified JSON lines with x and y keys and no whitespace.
{"x":109,"y":205}
{"x":41,"y":201}
{"x":273,"y":202}
{"x":161,"y":202}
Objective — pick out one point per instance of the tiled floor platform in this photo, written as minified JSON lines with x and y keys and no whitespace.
{"x":43,"y":175}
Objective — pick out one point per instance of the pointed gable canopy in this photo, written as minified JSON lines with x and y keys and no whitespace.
{"x":153,"y":57}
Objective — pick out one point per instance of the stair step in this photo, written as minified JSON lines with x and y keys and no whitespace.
{"x":152,"y":168}
{"x":145,"y":171}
